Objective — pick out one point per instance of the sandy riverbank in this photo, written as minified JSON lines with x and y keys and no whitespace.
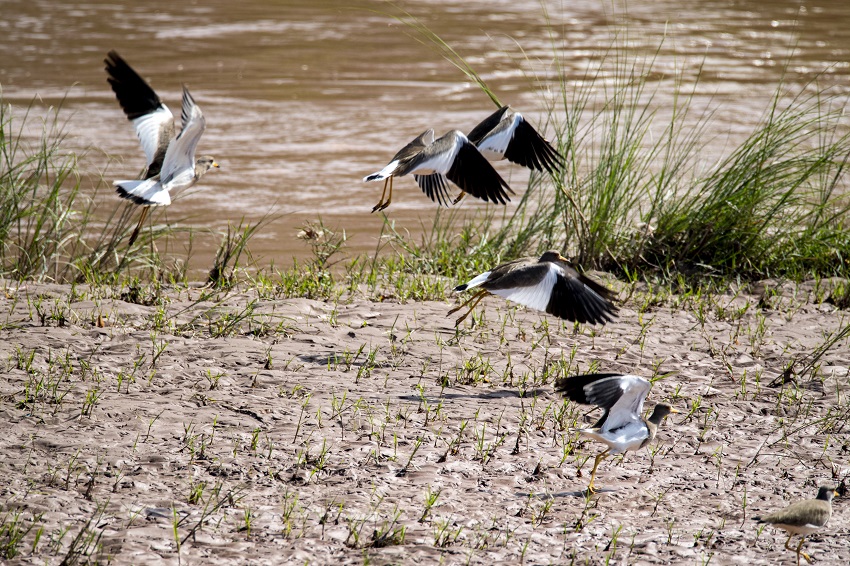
{"x":298,"y":431}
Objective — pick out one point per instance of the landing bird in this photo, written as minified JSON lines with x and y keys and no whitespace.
{"x":505,"y":134}
{"x":431,"y":162}
{"x":802,"y":518}
{"x":547,"y":284}
{"x":170,"y":160}
{"x":622,"y":426}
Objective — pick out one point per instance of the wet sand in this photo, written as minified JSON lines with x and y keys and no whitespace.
{"x":310,"y":432}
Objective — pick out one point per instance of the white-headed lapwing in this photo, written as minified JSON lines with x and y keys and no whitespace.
{"x":170,"y":159}
{"x":622,"y":426}
{"x":548,"y":283}
{"x":505,"y":134}
{"x":432,"y":162}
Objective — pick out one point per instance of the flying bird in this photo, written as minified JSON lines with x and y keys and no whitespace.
{"x":548,"y":284}
{"x":622,"y":426}
{"x":170,"y":165}
{"x":505,"y":134}
{"x":802,"y":518}
{"x":435,"y":162}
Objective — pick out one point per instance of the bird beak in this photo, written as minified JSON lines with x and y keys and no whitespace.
{"x":215,"y":164}
{"x":562,"y":258}
{"x":672,"y":410}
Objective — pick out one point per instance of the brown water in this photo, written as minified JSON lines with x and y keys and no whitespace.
{"x":304,"y":98}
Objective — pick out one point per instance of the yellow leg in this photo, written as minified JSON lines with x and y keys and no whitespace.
{"x":383,"y":194}
{"x":459,"y":197}
{"x":590,"y":488}
{"x":135,"y":233}
{"x":390,"y":197}
{"x":787,"y":541}
{"x":803,"y":554}
{"x":476,"y":297}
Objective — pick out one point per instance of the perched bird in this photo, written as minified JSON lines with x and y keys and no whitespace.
{"x":505,"y":134}
{"x":802,"y":518}
{"x":622,"y":426}
{"x":431,"y":162}
{"x":547,"y":284}
{"x":170,"y":159}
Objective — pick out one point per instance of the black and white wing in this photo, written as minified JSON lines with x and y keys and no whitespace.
{"x":530,"y":286}
{"x":621,"y":396}
{"x":474,"y":175}
{"x":505,"y":134}
{"x":578,"y":298}
{"x":152,"y":119}
{"x":529,"y":149}
{"x":178,"y":168}
{"x":436,"y":187}
{"x":629,"y":407}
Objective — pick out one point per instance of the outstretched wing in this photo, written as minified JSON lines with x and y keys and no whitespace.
{"x":474,"y":175}
{"x":530,"y":286}
{"x":621,"y":396}
{"x":529,"y":149}
{"x":152,"y":120}
{"x":180,"y":156}
{"x":436,"y":186}
{"x":578,"y":298}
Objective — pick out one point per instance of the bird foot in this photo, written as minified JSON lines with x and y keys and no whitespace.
{"x":380,"y":206}
{"x":454,"y":310}
{"x":590,"y":491}
{"x":807,"y":557}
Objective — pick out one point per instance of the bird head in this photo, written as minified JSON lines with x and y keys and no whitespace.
{"x":204,"y":163}
{"x":826,"y":493}
{"x":552,"y":256}
{"x":660,"y":411}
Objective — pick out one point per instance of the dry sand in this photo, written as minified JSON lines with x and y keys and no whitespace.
{"x":269,"y":440}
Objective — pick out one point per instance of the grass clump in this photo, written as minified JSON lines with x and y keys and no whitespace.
{"x":48,"y":227}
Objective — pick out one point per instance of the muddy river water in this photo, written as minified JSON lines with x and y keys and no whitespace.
{"x":304,"y":98}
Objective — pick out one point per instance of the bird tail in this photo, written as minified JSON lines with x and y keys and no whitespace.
{"x":148,"y":192}
{"x":474,"y":282}
{"x":383,"y":173}
{"x":374,"y":177}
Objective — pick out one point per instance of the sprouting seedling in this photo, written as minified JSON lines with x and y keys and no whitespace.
{"x":431,"y":497}
{"x":213,"y":378}
{"x":157,"y":348}
{"x":611,"y":547}
{"x":304,"y":405}
{"x":417,"y":444}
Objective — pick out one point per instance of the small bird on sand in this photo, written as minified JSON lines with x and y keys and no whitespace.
{"x":505,"y":134}
{"x":432,"y":162}
{"x":548,"y":283}
{"x":622,"y":426}
{"x":170,"y":159}
{"x":802,"y":518}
